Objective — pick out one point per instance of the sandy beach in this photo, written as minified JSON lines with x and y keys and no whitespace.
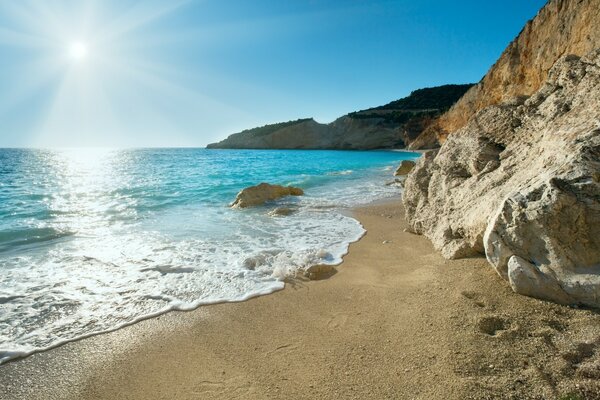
{"x":396,"y":321}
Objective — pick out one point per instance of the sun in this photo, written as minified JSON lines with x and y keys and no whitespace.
{"x":78,"y":50}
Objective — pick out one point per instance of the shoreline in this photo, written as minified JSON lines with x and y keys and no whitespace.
{"x":15,"y":356}
{"x":395,"y":321}
{"x":212,"y":254}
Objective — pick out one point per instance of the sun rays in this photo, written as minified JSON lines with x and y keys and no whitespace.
{"x":100,"y":69}
{"x":78,"y":50}
{"x":147,"y":72}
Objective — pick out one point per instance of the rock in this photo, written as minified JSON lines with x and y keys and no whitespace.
{"x":396,"y":182}
{"x":281,"y":211}
{"x":529,"y":280}
{"x":561,"y":27}
{"x":555,"y":225}
{"x":405,"y":167}
{"x":319,"y":271}
{"x":520,"y":183}
{"x":259,"y":194}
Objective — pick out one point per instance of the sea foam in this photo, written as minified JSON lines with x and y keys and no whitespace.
{"x":139,"y":233}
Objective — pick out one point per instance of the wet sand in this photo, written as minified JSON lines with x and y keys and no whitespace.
{"x":395,"y":322}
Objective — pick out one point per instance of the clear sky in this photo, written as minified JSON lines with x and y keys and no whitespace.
{"x":185,"y":73}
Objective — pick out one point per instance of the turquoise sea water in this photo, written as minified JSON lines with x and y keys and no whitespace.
{"x":91,"y":240}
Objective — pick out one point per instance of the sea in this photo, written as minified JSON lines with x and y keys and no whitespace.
{"x":95,"y":239}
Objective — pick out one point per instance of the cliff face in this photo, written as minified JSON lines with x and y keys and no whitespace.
{"x":343,"y":133}
{"x":390,"y":126}
{"x":291,"y":135}
{"x":520,"y":181}
{"x":562,"y":27}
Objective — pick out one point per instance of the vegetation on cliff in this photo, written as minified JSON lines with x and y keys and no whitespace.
{"x":270,"y":128}
{"x":392,"y":125}
{"x":439,"y":97}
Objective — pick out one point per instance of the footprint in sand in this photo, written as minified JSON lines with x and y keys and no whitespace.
{"x":476,"y":298}
{"x":494,"y":325}
{"x":582,"y":352}
{"x":235,"y":385}
{"x":584,"y":359}
{"x":337,"y":321}
{"x":283,"y":347}
{"x":555,"y":324}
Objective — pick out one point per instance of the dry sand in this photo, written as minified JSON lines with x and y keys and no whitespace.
{"x":396,"y":322}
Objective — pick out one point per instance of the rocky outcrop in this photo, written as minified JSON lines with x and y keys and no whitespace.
{"x":561,"y":27}
{"x":521,"y":184}
{"x":289,"y":135}
{"x":260,"y":194}
{"x":405,"y":167}
{"x":390,"y":126}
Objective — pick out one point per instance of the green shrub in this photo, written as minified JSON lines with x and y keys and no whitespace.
{"x":270,"y":128}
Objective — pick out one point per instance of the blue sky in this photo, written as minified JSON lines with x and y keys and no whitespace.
{"x":185,"y":73}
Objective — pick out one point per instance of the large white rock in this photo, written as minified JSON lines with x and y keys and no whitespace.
{"x":521,"y":184}
{"x":529,"y":280}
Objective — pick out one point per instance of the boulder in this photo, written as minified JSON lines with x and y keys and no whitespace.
{"x":405,"y":167}
{"x":259,"y":194}
{"x":529,"y":280}
{"x":545,"y":239}
{"x":520,"y":183}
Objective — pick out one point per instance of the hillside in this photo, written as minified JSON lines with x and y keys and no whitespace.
{"x":561,"y":27}
{"x":390,"y":126}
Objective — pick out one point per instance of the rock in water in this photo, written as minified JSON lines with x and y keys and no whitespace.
{"x":259,"y":194}
{"x":405,"y":167}
{"x":521,"y":183}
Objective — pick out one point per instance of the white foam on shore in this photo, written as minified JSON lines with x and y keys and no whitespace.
{"x":100,"y":283}
{"x":100,"y":287}
{"x":344,"y":172}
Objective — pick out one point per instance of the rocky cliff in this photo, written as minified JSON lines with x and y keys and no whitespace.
{"x":390,"y":126}
{"x":520,"y":181}
{"x":562,"y":27}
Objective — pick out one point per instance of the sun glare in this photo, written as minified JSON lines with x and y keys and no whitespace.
{"x":91,"y":60}
{"x":78,"y":50}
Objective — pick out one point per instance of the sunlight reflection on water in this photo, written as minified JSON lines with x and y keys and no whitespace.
{"x":94,"y":239}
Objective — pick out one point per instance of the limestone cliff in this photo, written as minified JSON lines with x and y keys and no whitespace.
{"x":561,"y":27}
{"x":390,"y":126}
{"x":521,"y":183}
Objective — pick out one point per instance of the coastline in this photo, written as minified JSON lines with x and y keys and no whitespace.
{"x":395,"y":321}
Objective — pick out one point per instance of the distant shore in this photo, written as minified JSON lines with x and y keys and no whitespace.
{"x":395,"y":321}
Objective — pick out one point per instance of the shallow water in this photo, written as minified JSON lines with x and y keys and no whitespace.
{"x":91,"y":240}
